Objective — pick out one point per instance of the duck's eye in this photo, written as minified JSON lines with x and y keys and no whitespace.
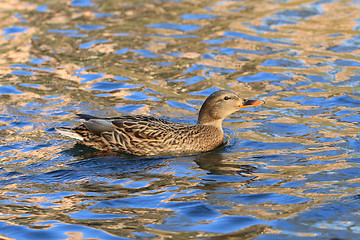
{"x":226,"y":98}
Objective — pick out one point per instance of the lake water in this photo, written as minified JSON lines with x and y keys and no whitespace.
{"x":289,"y":170}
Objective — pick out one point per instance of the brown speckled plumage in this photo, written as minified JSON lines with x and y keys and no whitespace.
{"x":146,"y":135}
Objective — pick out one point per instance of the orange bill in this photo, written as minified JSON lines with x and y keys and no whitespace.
{"x":251,"y":103}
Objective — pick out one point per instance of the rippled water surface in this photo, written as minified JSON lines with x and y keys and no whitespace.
{"x":289,"y":170}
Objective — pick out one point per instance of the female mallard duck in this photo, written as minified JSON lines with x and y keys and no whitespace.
{"x":145,"y":135}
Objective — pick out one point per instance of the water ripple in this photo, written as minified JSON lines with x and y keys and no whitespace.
{"x":254,"y":38}
{"x":178,"y":27}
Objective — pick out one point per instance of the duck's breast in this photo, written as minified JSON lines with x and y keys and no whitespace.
{"x":194,"y":138}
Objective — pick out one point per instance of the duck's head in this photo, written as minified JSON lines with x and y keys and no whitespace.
{"x":221,"y":104}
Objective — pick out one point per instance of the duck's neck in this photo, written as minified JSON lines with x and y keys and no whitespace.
{"x":205,"y":119}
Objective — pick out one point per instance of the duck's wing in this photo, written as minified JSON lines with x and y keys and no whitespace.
{"x":144,"y":129}
{"x":130,"y":127}
{"x":139,"y":126}
{"x":99,"y":126}
{"x":139,"y":137}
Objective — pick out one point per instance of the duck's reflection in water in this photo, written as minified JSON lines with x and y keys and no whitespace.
{"x":215,"y":163}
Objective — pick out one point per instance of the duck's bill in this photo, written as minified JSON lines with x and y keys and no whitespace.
{"x":251,"y":103}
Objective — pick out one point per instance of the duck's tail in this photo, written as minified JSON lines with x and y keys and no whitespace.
{"x":69,"y":133}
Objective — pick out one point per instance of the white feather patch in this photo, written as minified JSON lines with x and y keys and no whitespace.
{"x":70,"y":133}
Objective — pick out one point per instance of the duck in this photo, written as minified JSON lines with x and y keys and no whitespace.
{"x":144,"y":135}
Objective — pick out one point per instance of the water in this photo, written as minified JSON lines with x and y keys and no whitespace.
{"x":289,"y":169}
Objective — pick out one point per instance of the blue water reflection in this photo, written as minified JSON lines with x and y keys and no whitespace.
{"x":231,"y":51}
{"x":90,"y":27}
{"x":67,"y":31}
{"x":139,"y":96}
{"x":92,"y":43}
{"x":8,"y":89}
{"x":43,"y":8}
{"x":130,"y":108}
{"x":298,"y":13}
{"x":86,"y":214}
{"x":111,"y":86}
{"x":190,"y":81}
{"x":180,"y":105}
{"x":264,"y":76}
{"x":208,"y":69}
{"x":346,"y":101}
{"x":206,"y":92}
{"x":178,"y":27}
{"x":122,"y":51}
{"x":14,"y":29}
{"x":197,"y":16}
{"x":39,"y":60}
{"x":81,"y":3}
{"x":22,"y":73}
{"x":20,"y":16}
{"x":283,"y":63}
{"x":89,"y":76}
{"x":146,"y":53}
{"x":105,"y":15}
